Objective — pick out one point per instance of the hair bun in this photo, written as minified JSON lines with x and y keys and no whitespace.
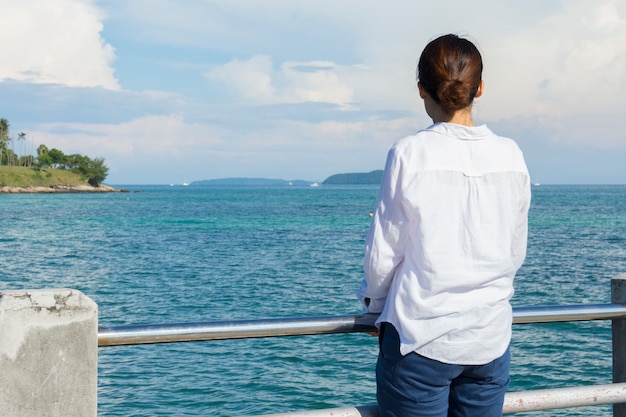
{"x":450,"y":69}
{"x":453,"y":95}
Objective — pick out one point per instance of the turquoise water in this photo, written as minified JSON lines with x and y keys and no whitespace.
{"x":186,"y":254}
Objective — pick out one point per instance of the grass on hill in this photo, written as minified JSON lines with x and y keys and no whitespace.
{"x":23,"y":177}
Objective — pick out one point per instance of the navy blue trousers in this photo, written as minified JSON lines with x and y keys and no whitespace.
{"x":415,"y":386}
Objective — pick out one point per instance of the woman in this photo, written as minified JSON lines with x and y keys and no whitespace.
{"x":448,"y":235}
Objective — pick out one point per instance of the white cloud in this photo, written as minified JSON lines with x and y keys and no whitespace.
{"x":315,"y":81}
{"x":251,"y":79}
{"x":538,"y":59}
{"x":567,"y":57}
{"x":55,"y":42}
{"x":149,"y":136}
{"x":257,"y":81}
{"x":573,"y":62}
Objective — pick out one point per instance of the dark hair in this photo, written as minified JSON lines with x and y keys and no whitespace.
{"x":450,"y":70}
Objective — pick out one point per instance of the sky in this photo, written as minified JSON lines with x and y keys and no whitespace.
{"x":172,"y":91}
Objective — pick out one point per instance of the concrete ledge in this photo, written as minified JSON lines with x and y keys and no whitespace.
{"x":48,"y":353}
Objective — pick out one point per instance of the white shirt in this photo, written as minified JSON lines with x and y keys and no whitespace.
{"x":447,"y":238}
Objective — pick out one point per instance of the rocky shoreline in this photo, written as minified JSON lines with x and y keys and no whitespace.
{"x":32,"y":189}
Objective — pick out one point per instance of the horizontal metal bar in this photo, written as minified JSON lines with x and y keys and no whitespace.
{"x":514,"y":402}
{"x":576,"y":312}
{"x":239,"y":329}
{"x":569,"y":397}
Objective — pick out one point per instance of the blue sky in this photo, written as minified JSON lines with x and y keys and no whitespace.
{"x":170,"y":90}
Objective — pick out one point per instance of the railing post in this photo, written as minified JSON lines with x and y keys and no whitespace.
{"x":48,"y":354}
{"x":618,"y":296}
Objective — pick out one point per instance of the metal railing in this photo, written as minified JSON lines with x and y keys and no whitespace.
{"x":243,"y":329}
{"x":514,"y":401}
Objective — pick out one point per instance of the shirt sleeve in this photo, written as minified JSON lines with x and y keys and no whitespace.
{"x":386,"y":239}
{"x":520,"y":238}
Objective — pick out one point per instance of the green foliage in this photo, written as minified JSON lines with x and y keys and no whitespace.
{"x":93,"y":170}
{"x":8,"y":156}
{"x":44,"y":160}
{"x":4,"y":132}
{"x":57,"y":158}
{"x":27,"y":161}
{"x":42,"y":149}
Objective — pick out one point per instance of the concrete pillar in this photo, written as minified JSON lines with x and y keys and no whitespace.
{"x":48,"y":354}
{"x":618,"y":296}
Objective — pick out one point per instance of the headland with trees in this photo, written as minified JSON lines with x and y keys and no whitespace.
{"x":49,"y":170}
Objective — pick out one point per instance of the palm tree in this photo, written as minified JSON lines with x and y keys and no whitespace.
{"x":4,"y":135}
{"x":21,"y":137}
{"x":42,"y":149}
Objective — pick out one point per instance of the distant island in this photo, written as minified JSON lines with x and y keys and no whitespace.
{"x":356,"y":178}
{"x":50,"y":171}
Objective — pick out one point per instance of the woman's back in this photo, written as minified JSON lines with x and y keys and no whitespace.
{"x":464,"y":192}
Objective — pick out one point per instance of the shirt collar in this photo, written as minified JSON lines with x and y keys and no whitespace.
{"x":461,"y":131}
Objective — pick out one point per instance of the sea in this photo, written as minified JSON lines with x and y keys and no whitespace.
{"x":175,"y":254}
